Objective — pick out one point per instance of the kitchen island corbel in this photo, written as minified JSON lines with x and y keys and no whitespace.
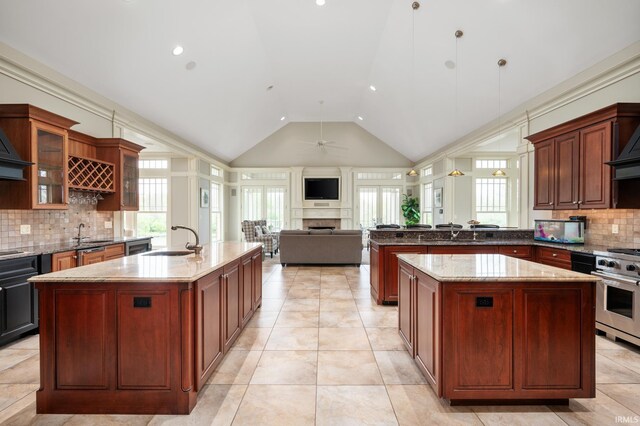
{"x":488,"y":328}
{"x":142,"y":334}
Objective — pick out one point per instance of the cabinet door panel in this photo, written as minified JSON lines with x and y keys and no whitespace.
{"x":208,"y":326}
{"x":544,"y":175}
{"x":567,"y":171}
{"x":64,"y":260}
{"x":479,"y":346}
{"x":247,"y":298}
{"x":17,"y":300}
{"x":391,"y":268}
{"x":552,"y":320}
{"x":595,"y":176}
{"x":256,"y":268}
{"x":405,"y":302}
{"x":374,"y":273}
{"x":462,"y":249}
{"x":427,"y":321}
{"x":232,"y":300}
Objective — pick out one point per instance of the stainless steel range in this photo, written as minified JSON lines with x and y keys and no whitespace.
{"x":618,"y":294}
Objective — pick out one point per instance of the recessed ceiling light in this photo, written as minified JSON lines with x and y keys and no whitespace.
{"x":320,"y":2}
{"x":360,"y":118}
{"x":269,"y":87}
{"x":282,"y":118}
{"x":373,"y":88}
{"x":177,"y":51}
{"x":450,"y":64}
{"x":190,"y":65}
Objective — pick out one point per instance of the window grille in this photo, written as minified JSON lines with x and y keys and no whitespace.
{"x":491,"y":200}
{"x":264,"y":176}
{"x":491,"y":164}
{"x":427,"y":203}
{"x":379,"y":176}
{"x":153,"y":164}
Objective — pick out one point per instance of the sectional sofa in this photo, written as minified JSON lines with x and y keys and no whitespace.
{"x":322,"y":246}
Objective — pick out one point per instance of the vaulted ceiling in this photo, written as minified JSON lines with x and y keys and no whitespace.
{"x":122,"y":49}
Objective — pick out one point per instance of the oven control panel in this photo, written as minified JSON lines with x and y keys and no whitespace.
{"x":624,"y":265}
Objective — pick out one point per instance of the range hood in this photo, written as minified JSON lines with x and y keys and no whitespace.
{"x":627,"y":165}
{"x":10,"y":163}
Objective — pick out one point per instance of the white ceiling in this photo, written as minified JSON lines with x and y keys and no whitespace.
{"x":122,"y":50}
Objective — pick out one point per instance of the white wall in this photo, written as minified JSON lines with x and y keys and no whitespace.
{"x":293,"y":145}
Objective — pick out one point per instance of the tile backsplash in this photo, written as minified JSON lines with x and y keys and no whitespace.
{"x":52,"y":226}
{"x":599,"y":226}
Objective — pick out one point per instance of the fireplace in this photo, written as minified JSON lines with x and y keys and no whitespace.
{"x":321,"y":223}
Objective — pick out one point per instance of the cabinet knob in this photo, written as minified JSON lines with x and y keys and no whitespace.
{"x":579,"y":202}
{"x":75,"y":257}
{"x":515,"y":251}
{"x":554,"y":254}
{"x":551,"y":203}
{"x":575,"y":202}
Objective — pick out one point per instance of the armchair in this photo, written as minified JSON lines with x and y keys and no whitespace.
{"x":270,"y":242}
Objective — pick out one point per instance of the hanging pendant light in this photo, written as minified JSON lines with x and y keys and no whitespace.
{"x":458,"y":34}
{"x":501,"y":63}
{"x":412,"y":173}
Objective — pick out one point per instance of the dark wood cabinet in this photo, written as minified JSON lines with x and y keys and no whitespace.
{"x":124,"y":155}
{"x":64,"y":260}
{"x":246,"y":280}
{"x":232,"y":303}
{"x":376,"y":273}
{"x":471,"y":249}
{"x":40,"y":137}
{"x":18,"y":298}
{"x":384,"y":270}
{"x":114,"y":251}
{"x":559,"y":258}
{"x":405,"y":306}
{"x":256,"y":268}
{"x":544,"y":176}
{"x":570,"y":169}
{"x":521,"y":252}
{"x":427,"y":327}
{"x":91,"y":257}
{"x":208,"y":326}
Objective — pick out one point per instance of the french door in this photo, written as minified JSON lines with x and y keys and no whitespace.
{"x":378,"y":204}
{"x":265,"y":203}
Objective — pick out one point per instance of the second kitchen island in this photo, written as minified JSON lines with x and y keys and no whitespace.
{"x":142,"y":334}
{"x":490,"y":328}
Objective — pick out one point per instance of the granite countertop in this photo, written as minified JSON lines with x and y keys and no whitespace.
{"x":37,"y":249}
{"x":489,"y":267}
{"x":144,"y":268}
{"x":583,"y":248}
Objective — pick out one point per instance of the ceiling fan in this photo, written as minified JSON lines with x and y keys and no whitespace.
{"x":322,"y":144}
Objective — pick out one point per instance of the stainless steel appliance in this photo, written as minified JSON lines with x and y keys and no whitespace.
{"x":618,"y":294}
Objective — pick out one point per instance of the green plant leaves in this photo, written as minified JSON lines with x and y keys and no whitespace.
{"x":410,"y":209}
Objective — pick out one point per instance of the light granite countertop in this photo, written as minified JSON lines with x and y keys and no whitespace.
{"x":489,"y":268}
{"x":144,"y":268}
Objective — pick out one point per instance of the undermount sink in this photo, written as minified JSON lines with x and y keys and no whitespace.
{"x":169,"y":253}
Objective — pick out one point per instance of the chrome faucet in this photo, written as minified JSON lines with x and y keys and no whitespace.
{"x":196,"y":248}
{"x":454,"y":235}
{"x":80,"y":237}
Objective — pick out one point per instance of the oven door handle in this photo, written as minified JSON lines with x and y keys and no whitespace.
{"x":616,"y":278}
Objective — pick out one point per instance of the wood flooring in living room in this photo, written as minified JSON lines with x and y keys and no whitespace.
{"x":320,"y":351}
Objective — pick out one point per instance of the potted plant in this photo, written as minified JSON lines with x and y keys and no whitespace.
{"x":410,"y":210}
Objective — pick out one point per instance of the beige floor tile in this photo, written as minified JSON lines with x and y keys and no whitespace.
{"x":624,"y":357}
{"x":303,"y":293}
{"x":306,"y":285}
{"x":385,"y":339}
{"x":10,"y":393}
{"x":252,"y":339}
{"x":295,"y":319}
{"x":327,"y":305}
{"x":625,"y":394}
{"x":236,"y":368}
{"x":418,"y":405}
{"x":398,"y":368}
{"x":262,"y":319}
{"x":336,"y":293}
{"x":286,"y":368}
{"x":340,"y":319}
{"x":604,"y":343}
{"x":293,"y":339}
{"x":217,"y":405}
{"x":608,"y":371}
{"x":348,"y":368}
{"x":354,"y":405}
{"x":601,"y":410}
{"x":534,"y":415}
{"x":345,"y":339}
{"x":108,"y":420}
{"x":27,"y":371}
{"x":301,"y":305}
{"x":29,"y":342}
{"x":277,"y":405}
{"x":359,"y":293}
{"x":275,"y":292}
{"x":379,"y":319}
{"x":11,"y":357}
{"x":271,"y":305}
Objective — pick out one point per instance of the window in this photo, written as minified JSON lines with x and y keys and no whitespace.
{"x":379,"y":176}
{"x":427,"y":171}
{"x":216,"y":171}
{"x":216,"y":214}
{"x":264,"y":202}
{"x":152,"y":215}
{"x":491,"y":164}
{"x":378,"y":204}
{"x":427,"y":203}
{"x":153,"y":164}
{"x":491,"y":201}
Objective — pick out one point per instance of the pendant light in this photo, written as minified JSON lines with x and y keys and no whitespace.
{"x":458,"y":34}
{"x":415,"y":6}
{"x":412,"y":173}
{"x":501,"y":63}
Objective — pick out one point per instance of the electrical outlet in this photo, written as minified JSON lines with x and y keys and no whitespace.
{"x":615,"y":228}
{"x":108,"y":224}
{"x":25,"y":229}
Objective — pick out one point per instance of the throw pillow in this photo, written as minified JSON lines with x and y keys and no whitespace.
{"x":258,"y":231}
{"x":265,"y":230}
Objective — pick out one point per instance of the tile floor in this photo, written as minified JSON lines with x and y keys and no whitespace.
{"x":319,"y":351}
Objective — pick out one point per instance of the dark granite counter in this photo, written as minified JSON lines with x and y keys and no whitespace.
{"x":37,"y":249}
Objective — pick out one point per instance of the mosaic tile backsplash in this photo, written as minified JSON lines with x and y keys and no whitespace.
{"x":599,"y":226}
{"x":52,"y":226}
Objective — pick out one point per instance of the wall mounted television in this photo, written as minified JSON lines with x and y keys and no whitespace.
{"x":321,"y":188}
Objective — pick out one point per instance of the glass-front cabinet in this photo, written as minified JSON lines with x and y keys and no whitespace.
{"x":129,"y":180}
{"x":124,"y":155}
{"x":50,"y":169}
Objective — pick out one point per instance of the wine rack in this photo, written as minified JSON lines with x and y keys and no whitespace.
{"x":86,"y":174}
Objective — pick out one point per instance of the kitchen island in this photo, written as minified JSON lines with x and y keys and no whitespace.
{"x":491,"y":328}
{"x":142,"y":334}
